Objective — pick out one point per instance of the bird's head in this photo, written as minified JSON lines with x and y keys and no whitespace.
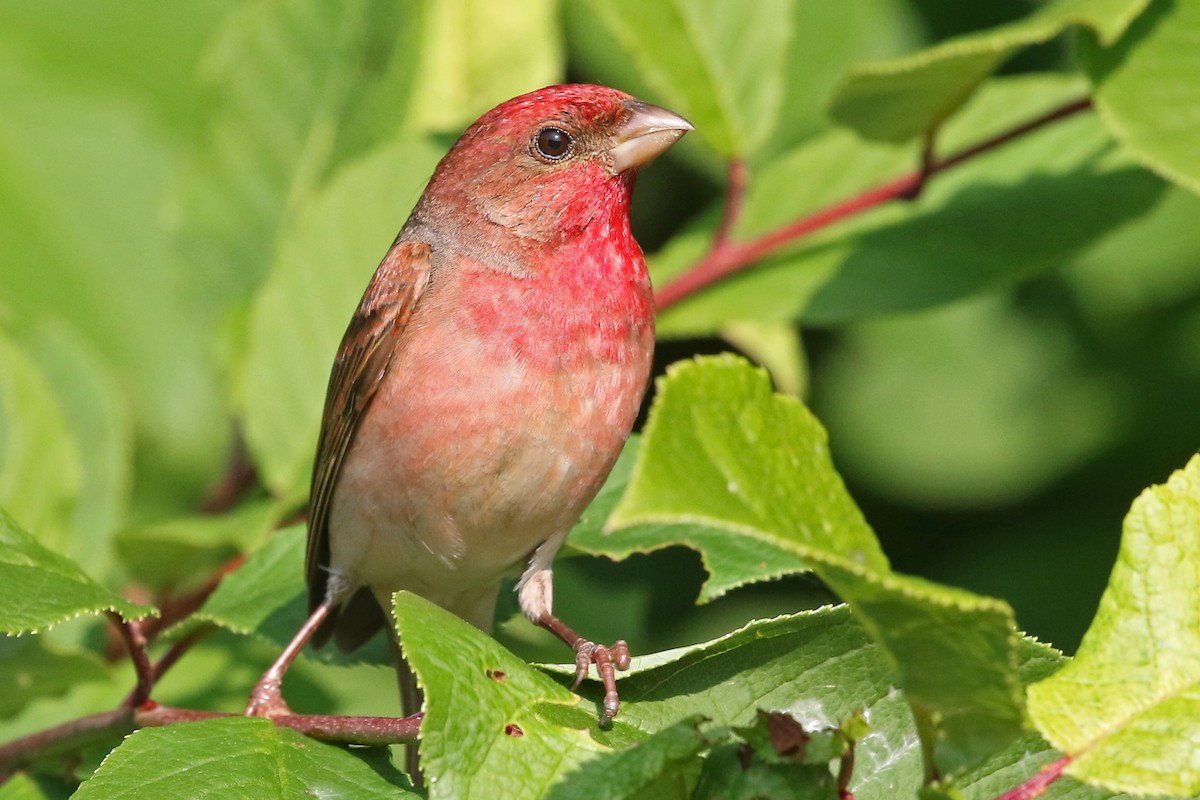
{"x":550,"y":162}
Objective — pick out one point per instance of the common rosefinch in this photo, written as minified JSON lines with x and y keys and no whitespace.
{"x":489,"y":377}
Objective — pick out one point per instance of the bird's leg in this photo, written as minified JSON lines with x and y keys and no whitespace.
{"x":607,"y":660}
{"x":266,"y":699}
{"x":535,"y":593}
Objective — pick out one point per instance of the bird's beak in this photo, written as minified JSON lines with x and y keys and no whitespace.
{"x":645,"y":135}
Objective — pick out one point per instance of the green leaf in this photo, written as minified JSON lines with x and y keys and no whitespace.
{"x":324,"y":262}
{"x":663,"y":766}
{"x":493,"y":726}
{"x":732,"y":774}
{"x":777,"y":347}
{"x":39,"y":588}
{"x":897,"y":99}
{"x":178,"y":554}
{"x":1126,"y":707}
{"x":819,"y":666}
{"x":34,"y":669}
{"x":141,"y":51}
{"x":40,"y":470}
{"x":239,"y":758}
{"x":721,"y":449}
{"x":701,"y":69}
{"x":99,"y":417}
{"x":96,"y":165}
{"x":731,"y":561}
{"x":266,"y":598}
{"x":478,"y":54}
{"x":27,"y":787}
{"x":1147,"y":88}
{"x":1015,"y":212}
{"x":293,"y":88}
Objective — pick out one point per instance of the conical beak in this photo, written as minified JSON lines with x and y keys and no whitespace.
{"x":645,"y":135}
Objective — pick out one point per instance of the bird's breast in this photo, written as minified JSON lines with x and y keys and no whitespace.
{"x":506,"y":405}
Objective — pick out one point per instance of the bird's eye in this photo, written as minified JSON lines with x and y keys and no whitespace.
{"x":553,"y":143}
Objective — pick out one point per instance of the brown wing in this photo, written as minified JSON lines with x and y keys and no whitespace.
{"x":362,"y":362}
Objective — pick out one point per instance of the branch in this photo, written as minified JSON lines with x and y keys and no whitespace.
{"x":80,"y":733}
{"x":1038,"y":783}
{"x":135,"y":644}
{"x":727,"y":257}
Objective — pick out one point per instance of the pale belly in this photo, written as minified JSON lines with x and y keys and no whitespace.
{"x":474,"y":453}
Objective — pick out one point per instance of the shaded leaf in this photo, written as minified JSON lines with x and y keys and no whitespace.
{"x":701,"y":69}
{"x":475,"y":55}
{"x":1148,"y":88}
{"x":665,"y":765}
{"x":27,"y":787}
{"x":97,"y":412}
{"x":293,"y":87}
{"x":266,"y":598}
{"x":900,"y":98}
{"x":324,"y":262}
{"x":81,"y":241}
{"x":33,"y":669}
{"x":180,"y":553}
{"x":40,"y":469}
{"x":996,"y":219}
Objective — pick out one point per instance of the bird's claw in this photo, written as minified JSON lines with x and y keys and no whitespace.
{"x":607,"y":660}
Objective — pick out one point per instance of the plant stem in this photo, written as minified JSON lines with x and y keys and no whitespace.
{"x":109,"y":725}
{"x":727,"y":257}
{"x":135,"y":643}
{"x":1038,"y":783}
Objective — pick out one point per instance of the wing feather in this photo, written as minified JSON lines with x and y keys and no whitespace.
{"x":362,"y":362}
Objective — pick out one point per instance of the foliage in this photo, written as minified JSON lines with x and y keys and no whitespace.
{"x":967,"y":231}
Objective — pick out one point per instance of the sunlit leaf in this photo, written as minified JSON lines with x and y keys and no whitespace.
{"x":1126,"y":707}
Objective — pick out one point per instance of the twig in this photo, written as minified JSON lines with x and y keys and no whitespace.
{"x":239,"y":478}
{"x":80,"y":733}
{"x":727,"y":257}
{"x":166,"y":661}
{"x":845,"y":773}
{"x":135,"y":643}
{"x":735,"y":192}
{"x":1038,"y":783}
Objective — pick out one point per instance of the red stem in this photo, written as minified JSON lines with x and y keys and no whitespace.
{"x":727,"y":257}
{"x":135,"y":643}
{"x":735,"y":192}
{"x":1038,"y":783}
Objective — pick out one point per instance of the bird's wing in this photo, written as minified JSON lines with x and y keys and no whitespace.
{"x":362,"y":362}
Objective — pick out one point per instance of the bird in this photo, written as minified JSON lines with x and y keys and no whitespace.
{"x":487,"y":380}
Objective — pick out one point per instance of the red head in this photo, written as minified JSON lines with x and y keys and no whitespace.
{"x":546,"y":163}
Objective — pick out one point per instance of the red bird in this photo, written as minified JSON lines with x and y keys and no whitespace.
{"x":489,"y":378}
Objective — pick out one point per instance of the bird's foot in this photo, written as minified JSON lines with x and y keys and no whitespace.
{"x":607,"y":660}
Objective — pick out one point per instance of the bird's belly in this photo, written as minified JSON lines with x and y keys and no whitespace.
{"x":458,"y":473}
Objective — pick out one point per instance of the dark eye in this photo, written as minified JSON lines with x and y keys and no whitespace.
{"x":553,"y":143}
